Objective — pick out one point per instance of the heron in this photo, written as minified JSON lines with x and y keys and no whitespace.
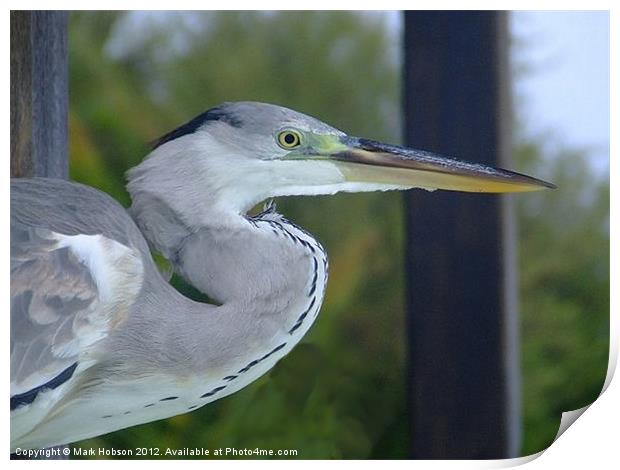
{"x":100,"y":340}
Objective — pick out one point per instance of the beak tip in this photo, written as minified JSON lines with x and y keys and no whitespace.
{"x":543,"y":185}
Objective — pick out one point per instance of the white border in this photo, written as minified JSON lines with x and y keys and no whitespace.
{"x":592,"y":440}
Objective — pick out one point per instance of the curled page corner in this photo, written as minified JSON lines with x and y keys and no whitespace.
{"x":568,"y":418}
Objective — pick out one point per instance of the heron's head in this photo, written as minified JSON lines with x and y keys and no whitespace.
{"x":237,"y":154}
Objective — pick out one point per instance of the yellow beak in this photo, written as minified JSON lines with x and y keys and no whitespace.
{"x":363,"y":160}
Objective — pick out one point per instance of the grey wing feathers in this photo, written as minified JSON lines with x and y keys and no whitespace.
{"x":71,"y":282}
{"x":50,"y":289}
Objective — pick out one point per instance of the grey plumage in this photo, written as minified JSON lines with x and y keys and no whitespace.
{"x":50,"y":289}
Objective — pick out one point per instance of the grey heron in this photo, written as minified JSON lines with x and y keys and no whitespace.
{"x":100,"y":341}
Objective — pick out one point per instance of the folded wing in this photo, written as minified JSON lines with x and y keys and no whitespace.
{"x":68,"y":293}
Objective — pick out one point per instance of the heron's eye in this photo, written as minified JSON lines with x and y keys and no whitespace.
{"x":289,"y":139}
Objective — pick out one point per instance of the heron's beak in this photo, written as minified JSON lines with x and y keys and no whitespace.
{"x":366,"y":161}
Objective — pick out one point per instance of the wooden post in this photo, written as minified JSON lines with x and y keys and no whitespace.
{"x":462,"y":324}
{"x":39,"y":103}
{"x":39,"y":94}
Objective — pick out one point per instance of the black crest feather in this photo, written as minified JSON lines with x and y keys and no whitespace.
{"x":218,"y":113}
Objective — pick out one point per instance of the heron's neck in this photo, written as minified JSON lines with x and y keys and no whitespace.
{"x":212,"y":244}
{"x":167,"y":228}
{"x":270,"y":278}
{"x":263,"y":259}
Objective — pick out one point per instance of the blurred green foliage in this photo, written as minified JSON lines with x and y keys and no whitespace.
{"x":564,"y":275}
{"x":341,"y":392}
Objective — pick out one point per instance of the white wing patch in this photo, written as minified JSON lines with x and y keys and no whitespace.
{"x":110,"y":263}
{"x":117,"y":272}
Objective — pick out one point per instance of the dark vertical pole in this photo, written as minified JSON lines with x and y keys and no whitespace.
{"x":39,"y":94}
{"x":460,"y":260}
{"x":39,"y":103}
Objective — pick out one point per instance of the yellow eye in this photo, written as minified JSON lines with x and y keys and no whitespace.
{"x":289,"y":139}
